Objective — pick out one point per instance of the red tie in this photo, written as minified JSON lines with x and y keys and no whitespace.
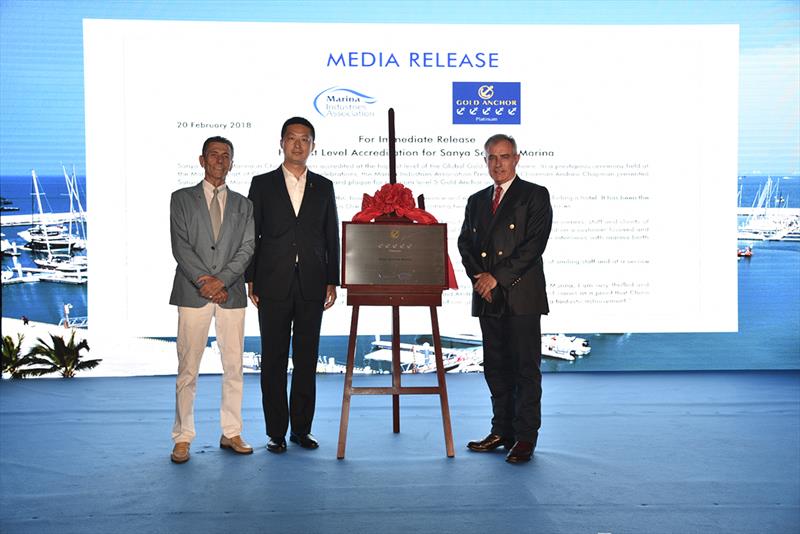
{"x":496,"y":200}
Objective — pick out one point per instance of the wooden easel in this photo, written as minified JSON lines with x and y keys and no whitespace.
{"x":394,"y":296}
{"x":431,"y":300}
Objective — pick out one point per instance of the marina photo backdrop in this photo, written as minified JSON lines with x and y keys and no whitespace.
{"x":96,"y":187}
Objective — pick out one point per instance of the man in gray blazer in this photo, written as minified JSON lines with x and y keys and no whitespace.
{"x":213,"y":241}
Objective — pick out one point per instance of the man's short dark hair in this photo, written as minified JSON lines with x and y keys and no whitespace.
{"x":217,"y":139}
{"x":496,"y":138}
{"x":301,"y":121}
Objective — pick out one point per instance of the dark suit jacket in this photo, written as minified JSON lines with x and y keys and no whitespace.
{"x":312,"y":236}
{"x":509,"y":245}
{"x":196,"y":252}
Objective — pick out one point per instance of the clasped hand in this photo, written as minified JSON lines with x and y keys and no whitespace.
{"x":484,"y":284}
{"x":212,"y":288}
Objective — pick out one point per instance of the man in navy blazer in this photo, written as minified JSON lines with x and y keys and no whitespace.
{"x":292,"y":280}
{"x":505,"y":232}
{"x":212,"y":234}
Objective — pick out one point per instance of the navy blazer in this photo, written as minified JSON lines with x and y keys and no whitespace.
{"x":311,"y":236}
{"x":509,"y":245}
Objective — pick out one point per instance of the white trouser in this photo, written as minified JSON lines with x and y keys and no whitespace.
{"x":193,"y":325}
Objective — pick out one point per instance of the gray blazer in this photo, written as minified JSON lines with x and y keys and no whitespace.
{"x":196,"y":252}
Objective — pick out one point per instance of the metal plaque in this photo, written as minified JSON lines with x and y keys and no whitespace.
{"x":395,"y":254}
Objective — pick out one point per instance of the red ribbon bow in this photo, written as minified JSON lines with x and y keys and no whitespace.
{"x":390,"y":198}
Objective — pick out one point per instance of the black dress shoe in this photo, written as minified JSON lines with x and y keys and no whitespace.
{"x":520,"y":452}
{"x":490,"y":443}
{"x":307,"y":441}
{"x":276,"y":445}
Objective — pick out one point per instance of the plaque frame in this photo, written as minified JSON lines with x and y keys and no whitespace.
{"x":396,"y":294}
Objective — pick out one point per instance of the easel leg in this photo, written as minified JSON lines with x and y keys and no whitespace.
{"x":348,"y":384}
{"x":437,"y":345}
{"x":396,"y":369}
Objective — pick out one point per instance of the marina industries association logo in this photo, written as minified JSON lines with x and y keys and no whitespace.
{"x":344,"y":102}
{"x":486,"y":103}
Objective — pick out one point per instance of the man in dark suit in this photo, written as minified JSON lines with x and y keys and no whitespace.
{"x":292,"y":280}
{"x":212,"y":240}
{"x":504,"y":235}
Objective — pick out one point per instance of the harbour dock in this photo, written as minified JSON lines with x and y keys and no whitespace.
{"x":44,"y":218}
{"x":745,"y":212}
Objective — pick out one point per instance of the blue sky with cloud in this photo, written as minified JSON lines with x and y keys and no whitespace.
{"x":41,"y":62}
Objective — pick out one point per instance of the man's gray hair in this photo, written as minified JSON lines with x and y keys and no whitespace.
{"x":496,"y":138}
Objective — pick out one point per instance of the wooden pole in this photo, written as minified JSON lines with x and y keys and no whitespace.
{"x":348,"y":384}
{"x":392,"y":155}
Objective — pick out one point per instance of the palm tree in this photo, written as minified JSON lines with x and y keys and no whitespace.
{"x":13,"y":363}
{"x":63,"y":357}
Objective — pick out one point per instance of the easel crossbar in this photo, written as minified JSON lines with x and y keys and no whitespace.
{"x":418,"y":390}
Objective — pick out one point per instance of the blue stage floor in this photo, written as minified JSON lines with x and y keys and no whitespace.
{"x":706,"y":452}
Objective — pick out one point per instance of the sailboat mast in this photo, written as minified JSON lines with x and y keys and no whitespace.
{"x":71,"y":210}
{"x":42,"y":225}
{"x":77,"y":192}
{"x":37,"y":194}
{"x":81,"y":213}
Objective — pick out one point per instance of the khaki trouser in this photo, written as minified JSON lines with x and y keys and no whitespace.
{"x":193,"y":325}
